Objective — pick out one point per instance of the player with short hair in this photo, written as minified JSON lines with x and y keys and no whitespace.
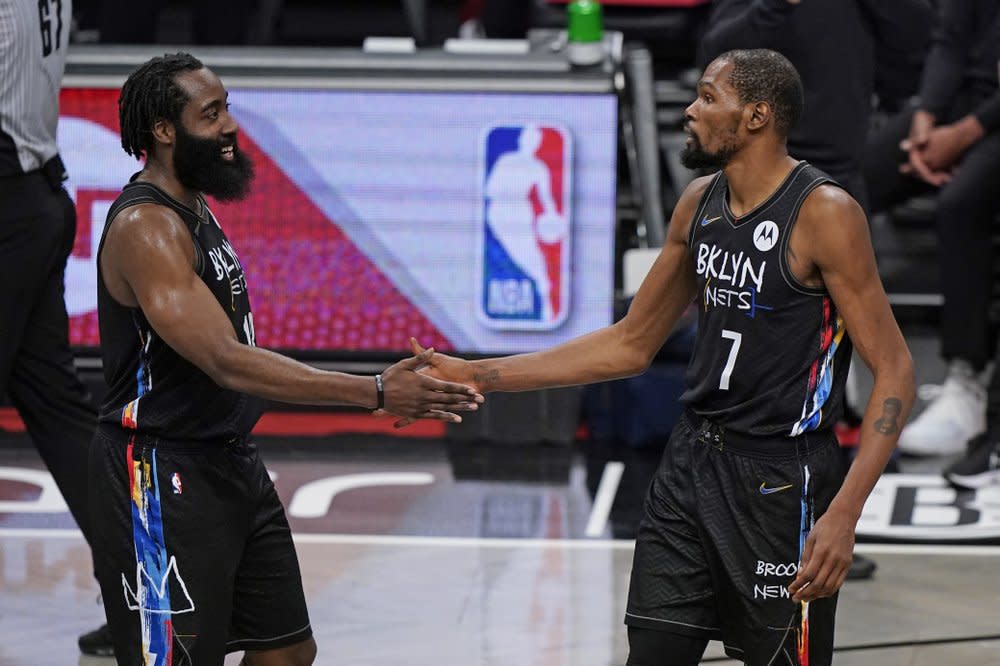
{"x":749,"y":522}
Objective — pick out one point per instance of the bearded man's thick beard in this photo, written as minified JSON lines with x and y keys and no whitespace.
{"x":199,"y":166}
{"x":694,"y":157}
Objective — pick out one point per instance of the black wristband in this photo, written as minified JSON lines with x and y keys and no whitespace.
{"x":380,"y":392}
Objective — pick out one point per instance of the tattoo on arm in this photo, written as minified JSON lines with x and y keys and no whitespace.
{"x":888,"y":423}
{"x":486,"y":379}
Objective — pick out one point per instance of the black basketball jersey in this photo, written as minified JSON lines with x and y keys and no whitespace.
{"x":771,"y":354}
{"x":151,"y":388}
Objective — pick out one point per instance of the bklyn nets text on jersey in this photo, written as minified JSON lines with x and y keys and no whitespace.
{"x":732,"y":280}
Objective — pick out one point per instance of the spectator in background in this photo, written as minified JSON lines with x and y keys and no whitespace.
{"x":216,"y":22}
{"x":949,"y":140}
{"x":980,"y":466}
{"x":834,"y":45}
{"x":505,"y":19}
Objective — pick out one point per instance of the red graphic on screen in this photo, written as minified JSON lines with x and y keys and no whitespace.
{"x":310,"y":287}
{"x":551,"y":153}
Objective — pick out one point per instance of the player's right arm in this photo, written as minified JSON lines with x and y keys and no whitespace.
{"x":148,"y":262}
{"x":625,"y":348}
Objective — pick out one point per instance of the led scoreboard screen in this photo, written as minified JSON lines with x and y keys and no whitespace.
{"x":475,"y":222}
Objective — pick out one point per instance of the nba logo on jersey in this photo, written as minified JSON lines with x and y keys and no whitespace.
{"x":524,"y":227}
{"x":175,"y":481}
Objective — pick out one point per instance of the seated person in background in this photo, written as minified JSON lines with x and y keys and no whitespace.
{"x":812,"y":35}
{"x":949,"y":140}
{"x":980,"y":466}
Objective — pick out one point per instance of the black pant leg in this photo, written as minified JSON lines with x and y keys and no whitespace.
{"x":28,"y":239}
{"x":993,"y":395}
{"x":36,"y":365}
{"x":967,"y":207}
{"x":885,"y":185}
{"x":649,"y":647}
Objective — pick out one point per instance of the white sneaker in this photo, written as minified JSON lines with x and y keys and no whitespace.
{"x":951,"y":419}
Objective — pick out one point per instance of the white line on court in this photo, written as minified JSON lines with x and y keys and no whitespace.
{"x":476,"y":542}
{"x":604,"y":498}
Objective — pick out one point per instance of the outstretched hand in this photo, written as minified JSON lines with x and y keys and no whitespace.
{"x":413,"y":394}
{"x":444,"y":370}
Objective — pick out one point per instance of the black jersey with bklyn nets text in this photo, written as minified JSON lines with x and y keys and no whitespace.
{"x":152,"y":389}
{"x":771,"y":354}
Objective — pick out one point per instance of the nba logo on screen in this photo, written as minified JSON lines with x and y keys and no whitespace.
{"x":525,"y":230}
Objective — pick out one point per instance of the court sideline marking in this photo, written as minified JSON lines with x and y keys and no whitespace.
{"x":480,"y":542}
{"x":607,"y":489}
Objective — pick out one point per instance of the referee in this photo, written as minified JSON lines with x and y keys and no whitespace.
{"x":37,"y":229}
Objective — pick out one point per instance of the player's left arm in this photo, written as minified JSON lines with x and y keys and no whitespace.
{"x":831,"y":238}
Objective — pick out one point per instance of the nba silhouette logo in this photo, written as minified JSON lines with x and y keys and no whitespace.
{"x":524,"y":227}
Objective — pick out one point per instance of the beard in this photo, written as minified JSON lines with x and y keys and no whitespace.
{"x":694,"y":156}
{"x":200,"y":166}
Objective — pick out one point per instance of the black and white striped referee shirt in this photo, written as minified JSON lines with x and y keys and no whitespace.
{"x":33,"y":39}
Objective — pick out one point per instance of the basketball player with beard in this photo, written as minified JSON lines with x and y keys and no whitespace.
{"x":193,"y":550}
{"x":749,"y":522}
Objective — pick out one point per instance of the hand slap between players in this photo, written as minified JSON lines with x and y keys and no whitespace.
{"x":439,"y":368}
{"x":414,"y":395}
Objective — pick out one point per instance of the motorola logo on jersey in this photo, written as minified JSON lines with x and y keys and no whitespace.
{"x":525,"y":227}
{"x":765,"y":236}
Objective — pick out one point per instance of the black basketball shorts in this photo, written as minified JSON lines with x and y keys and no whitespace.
{"x":193,"y":552}
{"x":720,"y":540}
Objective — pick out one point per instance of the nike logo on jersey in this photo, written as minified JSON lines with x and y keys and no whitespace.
{"x":707,"y":221}
{"x":764,"y":490}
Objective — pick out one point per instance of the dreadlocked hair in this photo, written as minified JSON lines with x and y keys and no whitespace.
{"x":150,"y":94}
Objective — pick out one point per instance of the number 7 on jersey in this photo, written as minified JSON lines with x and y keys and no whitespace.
{"x":727,"y":371}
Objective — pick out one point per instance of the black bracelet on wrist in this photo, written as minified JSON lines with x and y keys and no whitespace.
{"x":380,"y":392}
